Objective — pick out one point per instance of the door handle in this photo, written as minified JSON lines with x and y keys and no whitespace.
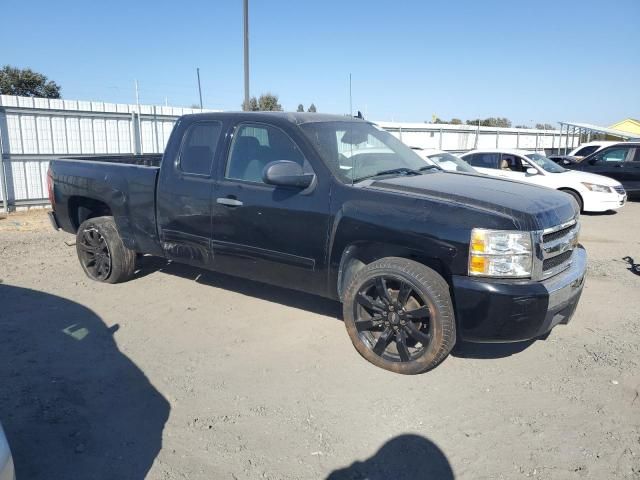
{"x":229,"y":202}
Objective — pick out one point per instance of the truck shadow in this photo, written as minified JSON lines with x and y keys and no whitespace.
{"x":408,"y":456}
{"x":263,"y":291}
{"x":489,"y":350}
{"x":72,"y":404}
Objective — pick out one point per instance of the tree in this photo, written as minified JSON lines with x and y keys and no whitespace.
{"x":268,"y":102}
{"x":312,"y":108}
{"x":439,"y":120}
{"x":500,"y":122}
{"x":522,"y":126}
{"x":456,"y":121}
{"x":252,"y":106}
{"x":544,"y":126}
{"x":300,"y":108}
{"x":27,"y":83}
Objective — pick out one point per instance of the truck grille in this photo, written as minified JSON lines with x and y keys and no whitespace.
{"x":557,"y":247}
{"x":619,"y":189}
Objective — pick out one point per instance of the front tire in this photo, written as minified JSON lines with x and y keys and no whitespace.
{"x":102,"y":254}
{"x":399,"y":315}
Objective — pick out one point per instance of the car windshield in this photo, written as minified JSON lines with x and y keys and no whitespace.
{"x":450,"y":162}
{"x":544,"y":163}
{"x":356,"y":150}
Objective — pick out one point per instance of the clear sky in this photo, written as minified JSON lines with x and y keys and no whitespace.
{"x":533,"y":61}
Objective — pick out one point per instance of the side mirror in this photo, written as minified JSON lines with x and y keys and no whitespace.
{"x":532,"y":171}
{"x":285,"y":173}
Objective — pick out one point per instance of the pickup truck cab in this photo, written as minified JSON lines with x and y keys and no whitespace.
{"x":336,"y":207}
{"x":593,"y":193}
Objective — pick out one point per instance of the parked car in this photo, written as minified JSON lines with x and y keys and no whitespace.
{"x":593,"y":193}
{"x":7,"y":471}
{"x":445,"y":160}
{"x":587,"y":149}
{"x":418,"y":257}
{"x":620,"y":161}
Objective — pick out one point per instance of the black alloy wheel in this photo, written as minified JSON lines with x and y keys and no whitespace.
{"x":94,"y":254}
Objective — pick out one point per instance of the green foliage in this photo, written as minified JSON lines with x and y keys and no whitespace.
{"x":312,"y":108}
{"x":252,"y":106}
{"x":268,"y":102}
{"x":500,"y":122}
{"x":522,"y":126}
{"x":300,"y":108}
{"x":27,"y":83}
{"x":544,"y":126}
{"x":455,"y":121}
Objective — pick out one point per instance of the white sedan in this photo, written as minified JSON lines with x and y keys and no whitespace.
{"x":594,"y":193}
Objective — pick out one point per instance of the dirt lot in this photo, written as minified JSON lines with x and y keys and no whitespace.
{"x":184,"y":374}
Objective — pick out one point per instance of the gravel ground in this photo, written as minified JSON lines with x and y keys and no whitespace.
{"x":185,"y":374}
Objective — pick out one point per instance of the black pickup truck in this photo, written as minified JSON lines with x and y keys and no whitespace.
{"x":339,"y":208}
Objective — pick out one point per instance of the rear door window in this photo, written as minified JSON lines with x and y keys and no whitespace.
{"x":199,"y":148}
{"x":483,"y":160}
{"x":584,"y":151}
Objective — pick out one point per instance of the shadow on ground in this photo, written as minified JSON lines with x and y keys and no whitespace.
{"x":489,"y":350}
{"x":72,"y":404}
{"x":263,"y":291}
{"x":406,"y":457}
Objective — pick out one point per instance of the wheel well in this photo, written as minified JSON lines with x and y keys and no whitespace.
{"x":83,"y":208}
{"x":357,"y":256}
{"x":567,"y":190}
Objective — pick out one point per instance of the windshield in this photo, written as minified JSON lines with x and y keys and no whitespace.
{"x":544,"y":163}
{"x":450,"y":162}
{"x":356,"y":150}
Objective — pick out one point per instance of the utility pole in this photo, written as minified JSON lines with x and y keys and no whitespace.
{"x":199,"y":87}
{"x":350,"y":98}
{"x":245,"y":11}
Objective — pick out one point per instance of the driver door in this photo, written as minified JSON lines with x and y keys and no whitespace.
{"x":263,"y":232}
{"x":610,"y":162}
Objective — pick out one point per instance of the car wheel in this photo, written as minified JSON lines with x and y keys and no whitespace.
{"x":399,"y":315}
{"x":102,"y":254}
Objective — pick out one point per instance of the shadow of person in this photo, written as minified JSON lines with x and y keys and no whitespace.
{"x":633,"y":267}
{"x":408,"y":456}
{"x":72,"y":404}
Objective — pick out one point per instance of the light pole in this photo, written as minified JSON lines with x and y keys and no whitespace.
{"x":245,"y":11}
{"x":199,"y":87}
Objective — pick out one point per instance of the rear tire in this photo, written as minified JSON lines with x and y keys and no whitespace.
{"x":399,"y":315}
{"x":576,"y":196}
{"x":102,"y":254}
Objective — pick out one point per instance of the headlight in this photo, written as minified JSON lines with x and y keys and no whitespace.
{"x":500,"y":253}
{"x":594,"y":187}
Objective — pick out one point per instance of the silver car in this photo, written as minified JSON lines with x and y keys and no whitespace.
{"x":6,"y":462}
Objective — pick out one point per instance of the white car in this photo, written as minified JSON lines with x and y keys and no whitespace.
{"x":7,"y":471}
{"x":587,"y":149}
{"x":445,"y":160}
{"x":594,"y":193}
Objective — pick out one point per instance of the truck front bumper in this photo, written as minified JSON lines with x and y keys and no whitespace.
{"x":490,"y":310}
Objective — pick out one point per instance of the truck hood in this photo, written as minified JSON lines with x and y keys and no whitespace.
{"x":531,"y":207}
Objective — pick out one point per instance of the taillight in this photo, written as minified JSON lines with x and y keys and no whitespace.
{"x":50,"y":188}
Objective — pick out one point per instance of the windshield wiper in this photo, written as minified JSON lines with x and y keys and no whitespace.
{"x":428,"y":167}
{"x":392,"y":171}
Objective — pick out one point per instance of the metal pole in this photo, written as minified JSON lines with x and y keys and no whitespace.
{"x":351,"y":102}
{"x":3,"y":176}
{"x":139,"y":119}
{"x":199,"y":87}
{"x":245,"y":11}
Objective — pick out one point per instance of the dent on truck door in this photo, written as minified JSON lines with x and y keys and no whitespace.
{"x":184,"y":195}
{"x":267,"y":233}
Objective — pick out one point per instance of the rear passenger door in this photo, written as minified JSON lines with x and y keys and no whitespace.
{"x":632,"y":172}
{"x":183,"y":194}
{"x":273,"y":234}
